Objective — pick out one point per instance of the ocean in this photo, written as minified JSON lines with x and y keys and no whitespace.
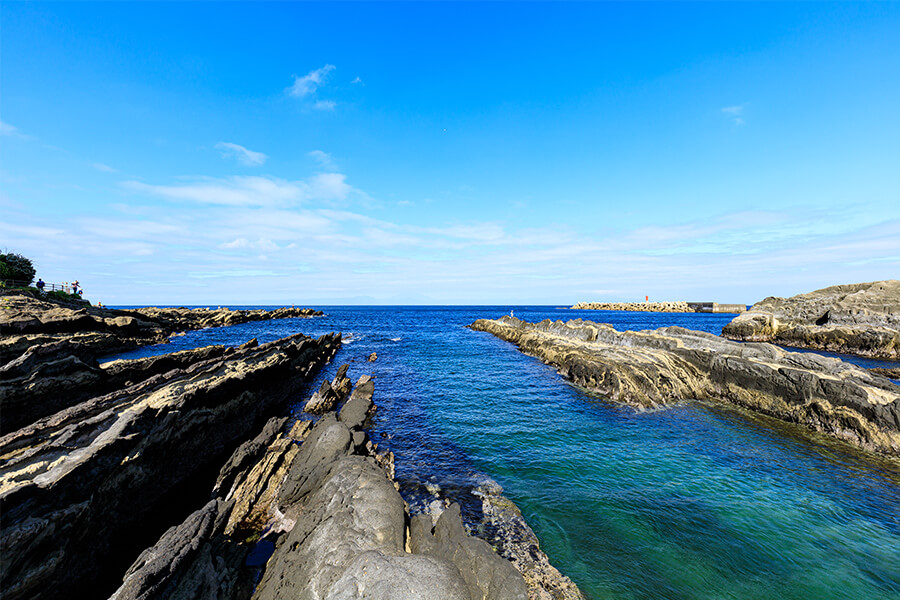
{"x":693,"y":501}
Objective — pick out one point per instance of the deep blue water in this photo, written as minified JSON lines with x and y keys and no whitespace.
{"x":694,"y":501}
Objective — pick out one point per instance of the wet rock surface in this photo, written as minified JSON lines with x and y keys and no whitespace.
{"x":81,"y":487}
{"x":861,"y":319}
{"x":651,"y":368}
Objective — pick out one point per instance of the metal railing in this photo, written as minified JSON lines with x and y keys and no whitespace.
{"x":48,"y":287}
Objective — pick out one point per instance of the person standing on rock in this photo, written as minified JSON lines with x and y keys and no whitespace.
{"x":75,"y":287}
{"x":40,"y":286}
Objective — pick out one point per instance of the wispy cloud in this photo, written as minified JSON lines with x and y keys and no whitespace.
{"x":323,"y":158}
{"x":10,"y":131}
{"x":252,"y":190}
{"x":357,"y":80}
{"x":309,"y":83}
{"x":324,"y":104}
{"x":104,"y":168}
{"x":241,"y":154}
{"x":735,"y":113}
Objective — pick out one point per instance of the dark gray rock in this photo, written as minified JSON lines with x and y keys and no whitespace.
{"x":322,"y":401}
{"x":486,"y":574}
{"x":357,"y":409}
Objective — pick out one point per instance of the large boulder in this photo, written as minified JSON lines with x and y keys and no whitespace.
{"x":861,"y":318}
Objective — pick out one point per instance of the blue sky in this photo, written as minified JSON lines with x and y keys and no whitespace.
{"x":450,"y":153}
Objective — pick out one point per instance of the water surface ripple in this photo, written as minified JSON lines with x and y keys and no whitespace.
{"x":696,"y":501}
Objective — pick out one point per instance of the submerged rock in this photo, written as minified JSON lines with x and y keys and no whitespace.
{"x":649,"y":368}
{"x":861,"y":318}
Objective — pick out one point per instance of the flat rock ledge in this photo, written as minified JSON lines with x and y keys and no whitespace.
{"x":82,"y":489}
{"x":650,"y":368}
{"x":315,"y":514}
{"x":861,"y":319}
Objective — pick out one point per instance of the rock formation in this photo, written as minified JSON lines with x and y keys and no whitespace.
{"x":81,"y":487}
{"x":649,"y":368}
{"x":49,"y":350}
{"x":861,"y":318}
{"x":26,"y":321}
{"x":333,"y":522}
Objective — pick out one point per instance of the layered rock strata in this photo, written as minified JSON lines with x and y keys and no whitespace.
{"x":81,"y":488}
{"x":49,"y":350}
{"x":650,"y":368}
{"x":26,"y":322}
{"x":861,"y":319}
{"x":324,"y":502}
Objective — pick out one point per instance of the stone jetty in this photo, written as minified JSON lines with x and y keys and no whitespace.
{"x":651,"y":368}
{"x":860,"y":318}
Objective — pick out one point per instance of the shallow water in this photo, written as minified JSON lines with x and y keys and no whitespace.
{"x":693,"y":501}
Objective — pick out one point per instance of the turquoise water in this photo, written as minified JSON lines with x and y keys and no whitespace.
{"x":692,"y":501}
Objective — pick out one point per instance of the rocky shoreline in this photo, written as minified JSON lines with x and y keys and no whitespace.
{"x":179,"y":476}
{"x":861,"y":319}
{"x":651,"y":368}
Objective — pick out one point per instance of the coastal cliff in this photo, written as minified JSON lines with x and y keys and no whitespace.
{"x":651,"y":368}
{"x":861,"y":319}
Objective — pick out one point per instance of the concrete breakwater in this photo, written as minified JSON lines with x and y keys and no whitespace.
{"x":651,"y":368}
{"x":677,"y":306}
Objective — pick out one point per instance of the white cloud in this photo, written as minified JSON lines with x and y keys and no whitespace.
{"x":357,"y":80}
{"x":8,"y":130}
{"x":309,"y":83}
{"x":324,"y":104}
{"x":241,"y":154}
{"x":253,"y":190}
{"x":323,"y":158}
{"x":103,"y":168}
{"x":231,"y":191}
{"x":735,"y":113}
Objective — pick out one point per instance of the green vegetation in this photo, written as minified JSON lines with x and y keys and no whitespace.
{"x":16,"y":269}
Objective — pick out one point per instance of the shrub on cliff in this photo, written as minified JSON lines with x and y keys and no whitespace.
{"x":16,"y":268}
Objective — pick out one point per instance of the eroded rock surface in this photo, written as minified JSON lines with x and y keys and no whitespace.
{"x":649,"y":368}
{"x":861,"y":318}
{"x":81,"y":487}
